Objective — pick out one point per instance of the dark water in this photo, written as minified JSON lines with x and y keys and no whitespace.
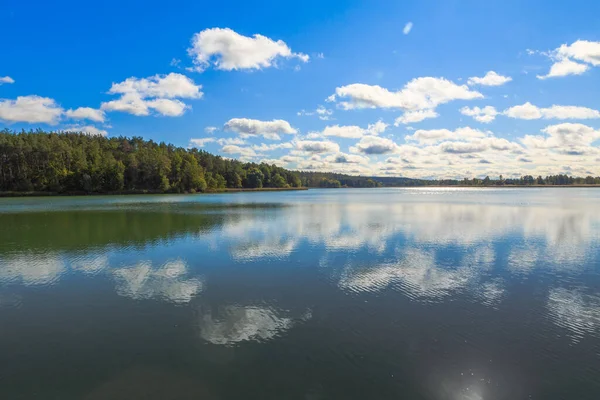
{"x":325,"y":294}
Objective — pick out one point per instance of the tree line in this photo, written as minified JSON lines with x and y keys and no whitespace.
{"x":333,"y":180}
{"x":39,"y":161}
{"x":526,"y":180}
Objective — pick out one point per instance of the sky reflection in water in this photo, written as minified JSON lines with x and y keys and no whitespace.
{"x":459,"y":294}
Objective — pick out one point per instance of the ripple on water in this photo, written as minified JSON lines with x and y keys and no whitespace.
{"x":575,"y":311}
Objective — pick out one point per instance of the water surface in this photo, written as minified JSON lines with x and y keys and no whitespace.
{"x":320,"y":294}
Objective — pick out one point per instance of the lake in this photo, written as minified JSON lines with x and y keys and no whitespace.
{"x":408,"y":293}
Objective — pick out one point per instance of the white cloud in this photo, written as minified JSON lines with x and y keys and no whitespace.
{"x":501,"y":144}
{"x":129,"y":103}
{"x":530,"y":111}
{"x":88,"y":129}
{"x":263,"y":147}
{"x":228,"y":50}
{"x":485,"y":115}
{"x":524,"y":111}
{"x":32,"y":109}
{"x":168,"y":107}
{"x":158,"y":92}
{"x":168,"y":86}
{"x":584,"y":51}
{"x":565,"y":138}
{"x":350,"y":131}
{"x":323,"y":113}
{"x":6,"y":79}
{"x":407,"y":28}
{"x":490,"y":79}
{"x":373,"y":145}
{"x":377,"y":128}
{"x":243,"y":151}
{"x":236,"y":141}
{"x":462,"y":147}
{"x":565,"y":67}
{"x":569,"y":112}
{"x":268,"y":129}
{"x":201,"y":142}
{"x":437,"y":135}
{"x":418,"y":94}
{"x":410,"y":117}
{"x":343,"y":158}
{"x":86,"y":113}
{"x":317,"y":147}
{"x":210,"y":129}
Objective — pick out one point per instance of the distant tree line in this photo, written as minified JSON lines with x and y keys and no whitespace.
{"x":332,"y":180}
{"x":75,"y":162}
{"x":526,"y":180}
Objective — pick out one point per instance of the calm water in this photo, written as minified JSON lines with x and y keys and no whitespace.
{"x":324,"y":294}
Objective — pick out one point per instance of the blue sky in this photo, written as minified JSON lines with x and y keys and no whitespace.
{"x":168,"y":71}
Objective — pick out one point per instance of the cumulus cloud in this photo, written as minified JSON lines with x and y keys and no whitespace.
{"x":263,"y":147}
{"x":227,"y":50}
{"x":317,"y":147}
{"x":252,"y":127}
{"x":565,"y":138}
{"x":201,"y":142}
{"x":236,"y":141}
{"x":373,"y":145}
{"x":210,"y":129}
{"x":565,"y":67}
{"x":407,"y":28}
{"x":168,"y":86}
{"x":6,"y":79}
{"x":584,"y":51}
{"x":485,"y":115}
{"x":242,"y":151}
{"x":86,"y":113}
{"x":462,"y":147}
{"x":489,"y":79}
{"x":343,"y":158}
{"x":432,"y":136}
{"x":350,"y":131}
{"x":418,"y":94}
{"x":415,"y":116}
{"x":530,"y":111}
{"x":32,"y":109}
{"x":158,"y":92}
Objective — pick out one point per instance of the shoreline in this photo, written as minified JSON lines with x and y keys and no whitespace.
{"x":143,"y":192}
{"x":251,"y":190}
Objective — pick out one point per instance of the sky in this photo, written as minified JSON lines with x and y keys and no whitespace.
{"x":421,"y":89}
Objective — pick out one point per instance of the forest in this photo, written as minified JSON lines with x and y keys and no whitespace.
{"x":39,"y":161}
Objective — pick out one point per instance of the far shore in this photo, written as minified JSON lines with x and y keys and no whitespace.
{"x":238,"y":190}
